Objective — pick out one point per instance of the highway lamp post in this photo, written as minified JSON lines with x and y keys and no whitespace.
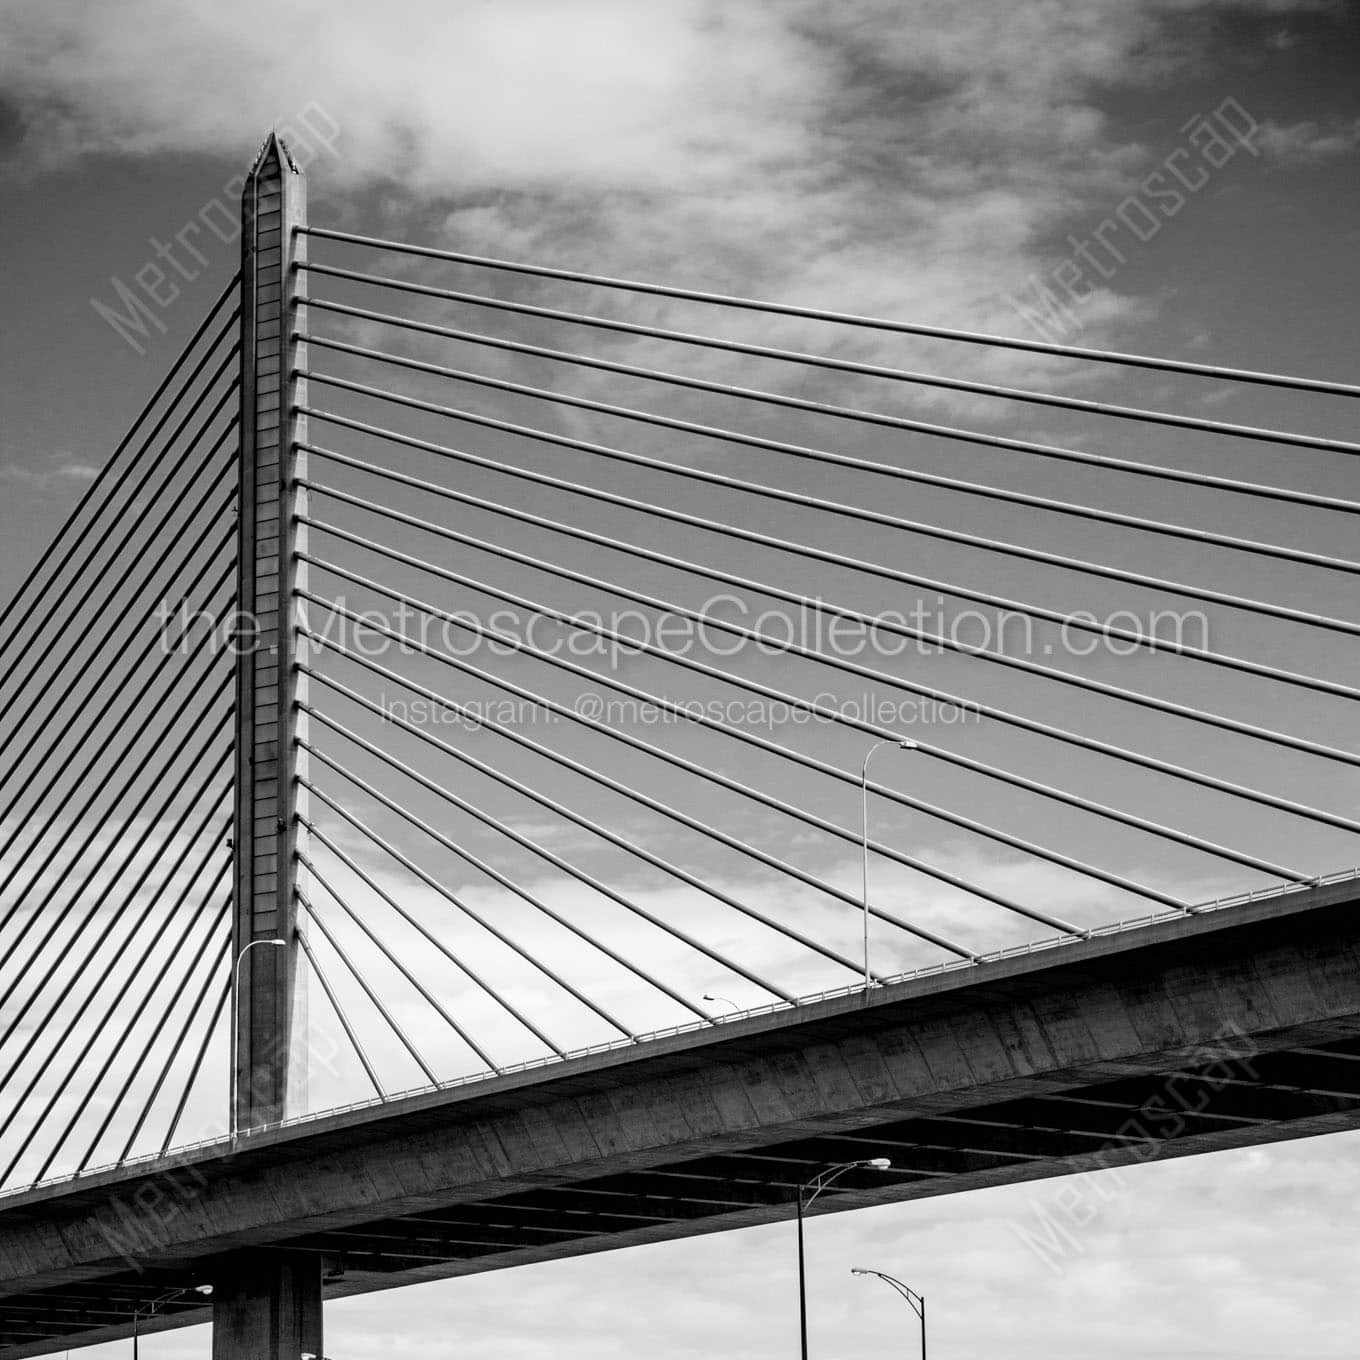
{"x":235,"y":1025}
{"x":709,"y":996}
{"x":917,"y":1301}
{"x":902,"y":744}
{"x":150,"y":1311}
{"x":821,"y":1181}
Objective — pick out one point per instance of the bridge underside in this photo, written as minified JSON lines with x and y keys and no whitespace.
{"x":1230,"y":1029}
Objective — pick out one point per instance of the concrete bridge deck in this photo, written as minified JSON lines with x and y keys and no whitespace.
{"x":1230,"y":1028}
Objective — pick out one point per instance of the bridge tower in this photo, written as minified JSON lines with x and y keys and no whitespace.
{"x":267,"y":1306}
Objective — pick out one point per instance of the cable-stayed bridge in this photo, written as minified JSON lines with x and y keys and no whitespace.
{"x":439,"y":825}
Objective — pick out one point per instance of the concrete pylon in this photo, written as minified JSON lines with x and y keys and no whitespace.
{"x":267,"y":1304}
{"x":268,"y":687}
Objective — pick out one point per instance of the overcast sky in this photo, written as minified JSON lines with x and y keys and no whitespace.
{"x":1187,"y":169}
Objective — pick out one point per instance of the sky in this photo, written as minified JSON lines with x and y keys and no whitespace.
{"x":1171,"y":177}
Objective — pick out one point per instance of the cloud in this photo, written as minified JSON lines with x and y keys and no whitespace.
{"x":50,"y":479}
{"x":891,"y":159}
{"x":878,"y":157}
{"x":1307,"y":143}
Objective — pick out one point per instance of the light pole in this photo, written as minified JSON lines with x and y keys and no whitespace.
{"x":150,"y":1311}
{"x":708,"y":996}
{"x":917,"y":1301}
{"x":817,"y":1184}
{"x":235,"y":1025}
{"x":902,"y":744}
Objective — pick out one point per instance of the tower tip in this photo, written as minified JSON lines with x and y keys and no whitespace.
{"x":274,"y":147}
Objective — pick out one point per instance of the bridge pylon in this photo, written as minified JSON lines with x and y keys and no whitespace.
{"x":266,"y":1302}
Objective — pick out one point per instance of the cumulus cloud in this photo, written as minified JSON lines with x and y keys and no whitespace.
{"x":897,"y":159}
{"x":1308,"y":142}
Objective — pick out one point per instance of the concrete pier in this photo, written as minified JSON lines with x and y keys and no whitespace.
{"x":267,"y":1306}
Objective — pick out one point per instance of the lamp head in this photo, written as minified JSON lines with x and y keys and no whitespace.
{"x":203,"y":1289}
{"x":878,"y":1163}
{"x":906,"y":744}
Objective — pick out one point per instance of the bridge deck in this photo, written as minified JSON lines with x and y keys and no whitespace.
{"x":1235,"y":1027}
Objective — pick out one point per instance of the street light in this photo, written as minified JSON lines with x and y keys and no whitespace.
{"x":736,"y":1010}
{"x":817,"y":1184}
{"x":150,"y":1310}
{"x":917,"y":1301}
{"x":902,"y":744}
{"x":235,"y":1025}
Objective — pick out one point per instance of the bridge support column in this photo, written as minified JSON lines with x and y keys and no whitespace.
{"x":268,"y":1307}
{"x":267,"y":1304}
{"x":268,"y":722}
